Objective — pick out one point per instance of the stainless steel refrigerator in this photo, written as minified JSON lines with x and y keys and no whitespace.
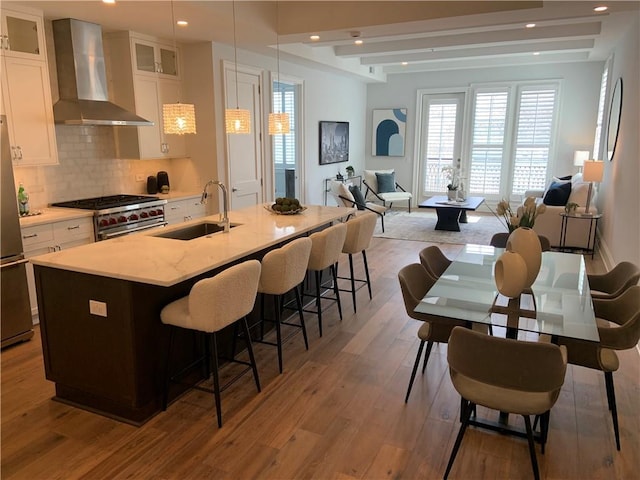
{"x":15,"y":322}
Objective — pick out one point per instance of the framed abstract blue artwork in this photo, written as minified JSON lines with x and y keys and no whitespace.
{"x":388,"y":132}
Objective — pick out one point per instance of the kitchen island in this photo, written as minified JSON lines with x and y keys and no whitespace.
{"x":103,"y":343}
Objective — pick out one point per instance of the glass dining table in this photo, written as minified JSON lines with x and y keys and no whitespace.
{"x":558,"y":304}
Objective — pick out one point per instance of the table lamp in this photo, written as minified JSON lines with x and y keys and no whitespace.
{"x":593,"y":172}
{"x":579,"y":157}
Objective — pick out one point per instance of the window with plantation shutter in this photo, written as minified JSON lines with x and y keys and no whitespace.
{"x":512,"y":138}
{"x":603,"y":94}
{"x":441,"y":130}
{"x":534,"y":134}
{"x":488,"y":141}
{"x":284,"y":101}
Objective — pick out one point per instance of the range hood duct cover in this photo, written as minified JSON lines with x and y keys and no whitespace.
{"x":82,"y":78}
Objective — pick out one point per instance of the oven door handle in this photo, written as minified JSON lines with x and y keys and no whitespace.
{"x":106,"y":236}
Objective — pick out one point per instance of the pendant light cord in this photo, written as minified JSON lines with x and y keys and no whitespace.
{"x":175,"y":45}
{"x":278,"y":52}
{"x":235,"y":51}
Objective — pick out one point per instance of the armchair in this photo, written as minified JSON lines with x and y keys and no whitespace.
{"x":382,"y":186}
{"x":345,"y":195}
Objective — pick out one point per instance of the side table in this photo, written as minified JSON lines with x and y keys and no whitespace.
{"x":593,"y":228}
{"x":354,"y":178}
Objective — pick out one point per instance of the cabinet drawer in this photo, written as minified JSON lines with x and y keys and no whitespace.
{"x":33,"y":237}
{"x":70,"y":230}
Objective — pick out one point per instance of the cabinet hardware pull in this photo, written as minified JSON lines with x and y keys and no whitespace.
{"x":75,"y":227}
{"x":33,"y":235}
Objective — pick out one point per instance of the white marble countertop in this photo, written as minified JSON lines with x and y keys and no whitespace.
{"x":60,"y":214}
{"x":165,"y":262}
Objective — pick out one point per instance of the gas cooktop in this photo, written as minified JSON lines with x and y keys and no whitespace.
{"x":110,"y":201}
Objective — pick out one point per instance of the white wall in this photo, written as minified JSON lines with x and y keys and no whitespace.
{"x":619,"y":197}
{"x":578,"y":106}
{"x":327,"y":96}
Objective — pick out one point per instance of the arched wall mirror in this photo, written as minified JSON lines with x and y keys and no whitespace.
{"x":614,"y":119}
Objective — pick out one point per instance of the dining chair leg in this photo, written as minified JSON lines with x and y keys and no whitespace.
{"x":532,"y":448}
{"x":544,"y":429}
{"x":366,"y":272}
{"x":413,"y":372}
{"x":216,"y":377}
{"x":608,"y":380}
{"x":466,"y":413}
{"x":336,"y":290}
{"x":353,"y":283}
{"x":247,"y":339}
{"x":319,"y":300}
{"x":426,"y":356}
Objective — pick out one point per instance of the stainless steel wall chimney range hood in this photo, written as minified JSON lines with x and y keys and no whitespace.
{"x":82,"y":78}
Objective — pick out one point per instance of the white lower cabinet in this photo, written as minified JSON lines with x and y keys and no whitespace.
{"x":183,"y":210}
{"x":51,"y":237}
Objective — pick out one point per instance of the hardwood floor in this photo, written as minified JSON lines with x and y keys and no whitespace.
{"x":337,"y":411}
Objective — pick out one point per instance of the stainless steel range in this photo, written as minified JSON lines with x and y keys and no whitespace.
{"x":117,"y":215}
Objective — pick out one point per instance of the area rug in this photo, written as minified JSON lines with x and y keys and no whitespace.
{"x":420,"y":226}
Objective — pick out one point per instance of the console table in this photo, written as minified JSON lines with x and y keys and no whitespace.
{"x":355,"y":179}
{"x":593,"y":219}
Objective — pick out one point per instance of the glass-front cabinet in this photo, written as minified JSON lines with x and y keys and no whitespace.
{"x":22,"y":35}
{"x":155,"y":58}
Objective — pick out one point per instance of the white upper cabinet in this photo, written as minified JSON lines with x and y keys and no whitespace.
{"x":144,"y":76}
{"x":155,"y":58}
{"x":26,"y":91}
{"x":22,"y":35}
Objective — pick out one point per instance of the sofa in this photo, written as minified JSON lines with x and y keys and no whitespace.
{"x":559,"y":193}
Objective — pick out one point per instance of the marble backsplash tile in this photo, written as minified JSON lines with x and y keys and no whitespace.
{"x":87,"y":168}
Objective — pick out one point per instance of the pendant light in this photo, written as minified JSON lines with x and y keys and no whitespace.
{"x":178,"y":118}
{"x":236,"y":120}
{"x":278,"y":121}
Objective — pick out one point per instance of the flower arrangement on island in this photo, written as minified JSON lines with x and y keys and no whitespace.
{"x":528,"y":216}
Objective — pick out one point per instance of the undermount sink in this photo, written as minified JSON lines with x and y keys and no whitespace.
{"x":194,"y":231}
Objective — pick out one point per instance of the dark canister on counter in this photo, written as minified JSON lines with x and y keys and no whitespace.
{"x":152,"y":185}
{"x":163,"y":182}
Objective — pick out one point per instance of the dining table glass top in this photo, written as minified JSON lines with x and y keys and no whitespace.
{"x":559,"y":303}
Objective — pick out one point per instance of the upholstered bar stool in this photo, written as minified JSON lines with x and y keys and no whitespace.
{"x":359,"y":233}
{"x":213,"y":304}
{"x":325,"y":253}
{"x":283,"y":270}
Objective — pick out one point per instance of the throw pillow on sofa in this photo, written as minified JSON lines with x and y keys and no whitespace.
{"x":557,"y":194}
{"x":357,"y":196}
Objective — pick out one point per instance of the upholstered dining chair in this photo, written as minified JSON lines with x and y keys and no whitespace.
{"x":615,"y":282}
{"x":359,"y":233}
{"x":209,"y":308}
{"x":381,"y":185}
{"x":619,"y":329}
{"x":499,"y":240}
{"x":415,"y":282}
{"x":325,"y":252}
{"x":351,"y":196}
{"x":508,"y":375}
{"x":434,"y":261}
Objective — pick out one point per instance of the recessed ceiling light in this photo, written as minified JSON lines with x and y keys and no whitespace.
{"x":530,"y":25}
{"x":601,"y":8}
{"x":358,"y":42}
{"x":315,"y":37}
{"x":182,"y":23}
{"x":404,"y":64}
{"x":536,"y":53}
{"x":108,"y":1}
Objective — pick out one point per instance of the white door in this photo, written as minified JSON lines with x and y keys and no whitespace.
{"x":244,"y":151}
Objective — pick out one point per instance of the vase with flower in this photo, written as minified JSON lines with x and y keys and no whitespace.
{"x":522,"y":239}
{"x":452,"y":174}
